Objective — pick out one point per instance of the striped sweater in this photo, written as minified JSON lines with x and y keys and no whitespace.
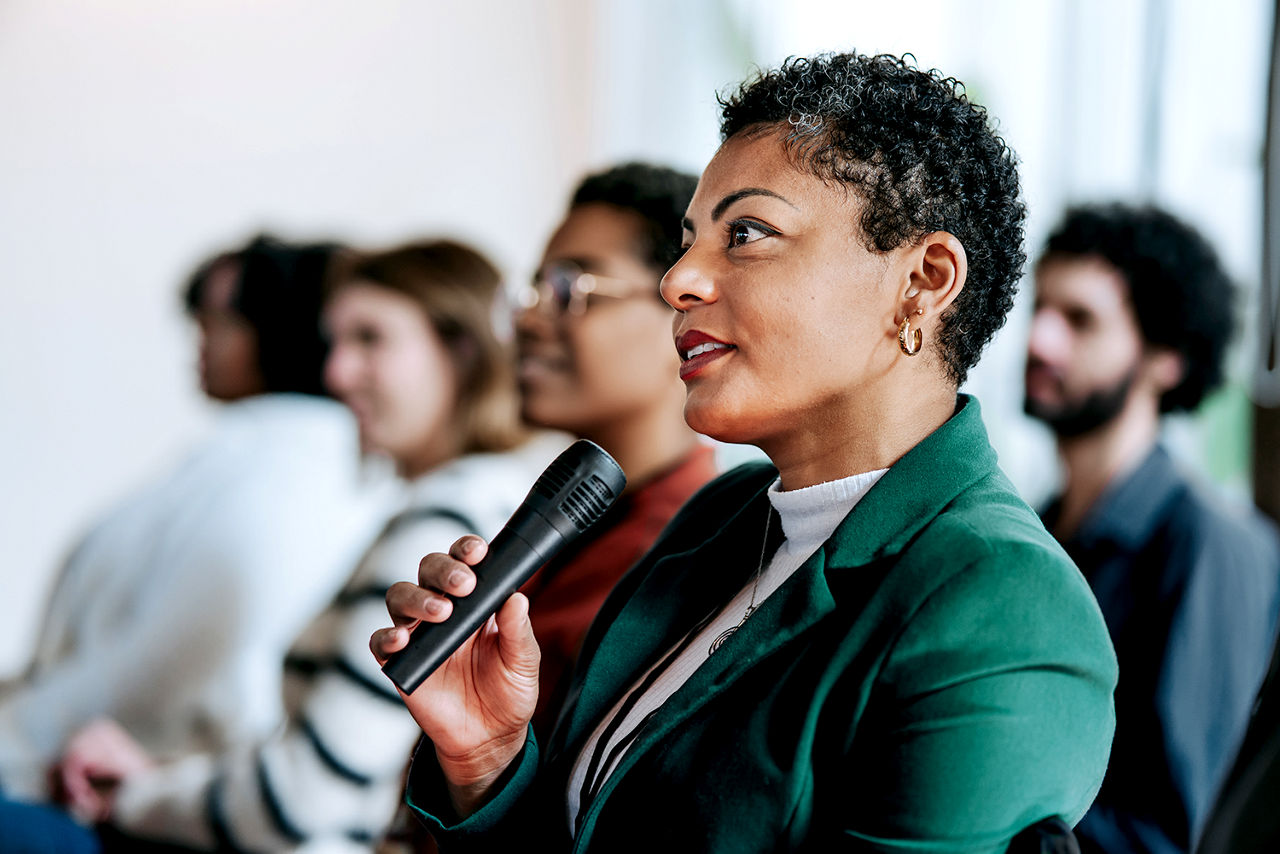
{"x":331,"y":775}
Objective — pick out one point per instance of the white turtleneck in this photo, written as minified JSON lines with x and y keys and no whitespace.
{"x":809,"y":518}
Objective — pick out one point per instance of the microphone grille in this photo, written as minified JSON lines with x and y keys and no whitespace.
{"x":587,"y":502}
{"x":554,"y":479}
{"x":581,"y":484}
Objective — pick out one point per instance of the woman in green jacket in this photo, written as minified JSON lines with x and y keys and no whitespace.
{"x":870,"y":644}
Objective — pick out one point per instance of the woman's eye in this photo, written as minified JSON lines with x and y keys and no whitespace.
{"x":745,"y":232}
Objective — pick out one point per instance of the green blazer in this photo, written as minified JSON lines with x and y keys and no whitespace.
{"x":936,"y":677}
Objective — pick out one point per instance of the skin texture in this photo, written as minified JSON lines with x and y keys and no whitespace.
{"x":228,"y":345}
{"x":814,"y":377}
{"x":776,"y":268}
{"x":609,"y":374}
{"x":391,"y":369}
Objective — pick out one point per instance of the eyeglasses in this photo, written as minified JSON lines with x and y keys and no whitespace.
{"x":566,"y":287}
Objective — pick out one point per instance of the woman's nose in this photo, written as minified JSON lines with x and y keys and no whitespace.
{"x":688,"y":283}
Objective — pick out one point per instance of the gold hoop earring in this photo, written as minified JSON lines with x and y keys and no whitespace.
{"x":907,"y":334}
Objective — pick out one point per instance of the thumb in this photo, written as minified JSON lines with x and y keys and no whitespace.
{"x":516,"y":644}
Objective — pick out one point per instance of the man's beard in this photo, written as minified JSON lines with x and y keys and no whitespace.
{"x":1077,"y":417}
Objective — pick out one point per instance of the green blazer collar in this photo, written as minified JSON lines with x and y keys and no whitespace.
{"x":909,"y":496}
{"x":916,"y":489}
{"x":685,"y":586}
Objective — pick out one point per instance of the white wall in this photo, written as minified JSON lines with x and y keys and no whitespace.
{"x":140,"y":135}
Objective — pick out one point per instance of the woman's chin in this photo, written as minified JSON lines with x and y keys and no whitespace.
{"x":715,"y":422}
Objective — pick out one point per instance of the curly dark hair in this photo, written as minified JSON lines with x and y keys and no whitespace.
{"x":657,"y":194}
{"x":922,"y":158}
{"x":280,"y":293}
{"x":1181,"y":295}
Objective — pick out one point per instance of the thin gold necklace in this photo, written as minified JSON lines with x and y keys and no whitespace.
{"x":764,"y":545}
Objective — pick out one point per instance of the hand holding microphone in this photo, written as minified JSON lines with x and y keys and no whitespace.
{"x":481,"y":675}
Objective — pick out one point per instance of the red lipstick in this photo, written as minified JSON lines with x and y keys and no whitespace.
{"x":697,"y":350}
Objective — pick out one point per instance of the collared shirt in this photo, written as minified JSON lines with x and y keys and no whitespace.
{"x":1189,"y":591}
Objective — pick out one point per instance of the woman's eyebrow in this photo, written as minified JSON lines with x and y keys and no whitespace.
{"x":735,"y":196}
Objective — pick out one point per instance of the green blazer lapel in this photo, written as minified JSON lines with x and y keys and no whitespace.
{"x":678,"y":591}
{"x":915,"y":490}
{"x":801,"y":602}
{"x":685,"y":586}
{"x":794,"y":608}
{"x":906,"y":498}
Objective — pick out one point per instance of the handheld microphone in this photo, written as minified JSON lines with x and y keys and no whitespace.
{"x":567,"y":498}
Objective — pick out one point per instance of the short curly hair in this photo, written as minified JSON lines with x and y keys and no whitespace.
{"x":1182,"y":297}
{"x":659,"y":195}
{"x":921,"y":157}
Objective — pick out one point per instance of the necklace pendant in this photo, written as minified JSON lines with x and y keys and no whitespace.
{"x":720,"y":639}
{"x":727,"y":633}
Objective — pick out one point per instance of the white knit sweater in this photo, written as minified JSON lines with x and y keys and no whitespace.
{"x":173,"y":613}
{"x":332,"y":775}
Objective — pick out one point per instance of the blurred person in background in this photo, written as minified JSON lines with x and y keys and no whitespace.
{"x":868,"y":642}
{"x":596,"y":361}
{"x":170,"y":614}
{"x":1133,"y":315}
{"x":416,"y":358}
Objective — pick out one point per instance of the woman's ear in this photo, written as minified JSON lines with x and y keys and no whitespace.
{"x":937,"y":274}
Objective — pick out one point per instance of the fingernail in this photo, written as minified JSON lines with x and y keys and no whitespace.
{"x":434,"y":606}
{"x":456,"y":578}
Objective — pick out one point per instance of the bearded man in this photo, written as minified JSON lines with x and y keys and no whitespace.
{"x":1133,"y":315}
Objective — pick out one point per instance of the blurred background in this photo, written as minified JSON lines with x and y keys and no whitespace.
{"x":139,"y":136}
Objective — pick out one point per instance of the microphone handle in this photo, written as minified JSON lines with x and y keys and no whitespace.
{"x":512,"y":559}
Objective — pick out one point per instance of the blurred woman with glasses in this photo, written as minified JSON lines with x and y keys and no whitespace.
{"x":595,"y":360}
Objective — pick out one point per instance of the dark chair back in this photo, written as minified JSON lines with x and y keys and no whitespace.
{"x":1047,"y":836}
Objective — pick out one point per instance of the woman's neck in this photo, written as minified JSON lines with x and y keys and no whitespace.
{"x":859,"y":437}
